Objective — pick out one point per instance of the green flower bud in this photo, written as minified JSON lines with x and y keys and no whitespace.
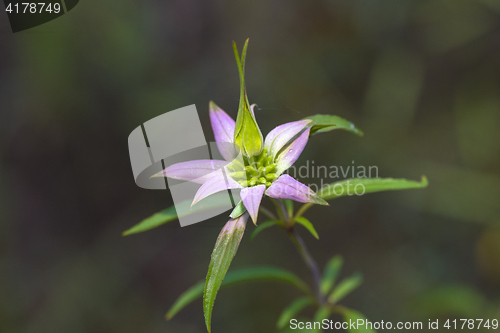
{"x":247,"y":134}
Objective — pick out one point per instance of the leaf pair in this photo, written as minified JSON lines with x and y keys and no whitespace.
{"x":301,"y":220}
{"x":331,"y":191}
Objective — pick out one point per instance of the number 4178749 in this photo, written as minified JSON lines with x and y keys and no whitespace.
{"x":471,"y":324}
{"x":33,"y":8}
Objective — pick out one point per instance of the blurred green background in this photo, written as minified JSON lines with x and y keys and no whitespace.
{"x":421,"y":78}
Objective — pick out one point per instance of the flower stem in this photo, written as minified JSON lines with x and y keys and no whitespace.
{"x":282,"y":214}
{"x":268,"y":213}
{"x":306,"y":255}
{"x":303,"y":209}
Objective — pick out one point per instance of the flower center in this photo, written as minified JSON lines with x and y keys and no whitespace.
{"x":257,"y":170}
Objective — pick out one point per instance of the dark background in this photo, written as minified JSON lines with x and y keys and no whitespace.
{"x":421,"y":78}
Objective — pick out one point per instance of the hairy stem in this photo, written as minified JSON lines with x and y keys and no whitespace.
{"x":306,"y":255}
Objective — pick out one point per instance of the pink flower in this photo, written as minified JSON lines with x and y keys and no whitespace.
{"x":256,"y":176}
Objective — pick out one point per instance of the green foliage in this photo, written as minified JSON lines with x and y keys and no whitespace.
{"x":170,"y":214}
{"x":326,"y":123}
{"x":369,"y":185}
{"x":352,"y":315}
{"x":332,"y":270}
{"x":293,"y":309}
{"x":225,"y":249}
{"x":323,"y":313}
{"x":308,"y":225}
{"x":345,"y":287}
{"x":254,"y":274}
{"x":153,"y":221}
{"x":261,"y":227}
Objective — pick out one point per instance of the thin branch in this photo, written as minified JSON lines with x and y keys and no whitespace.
{"x":306,"y":255}
{"x":268,"y":213}
{"x":303,"y":209}
{"x":281,"y":214}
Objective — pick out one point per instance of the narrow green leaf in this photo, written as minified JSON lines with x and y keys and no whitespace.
{"x":225,"y":249}
{"x":293,"y":309}
{"x":326,"y":123}
{"x":170,"y":214}
{"x":254,"y":274}
{"x":359,"y":186}
{"x":350,"y":315}
{"x":238,"y":210}
{"x":345,"y":287}
{"x":261,"y":227}
{"x":332,"y":270}
{"x":321,"y":314}
{"x":153,"y":221}
{"x":308,"y":225}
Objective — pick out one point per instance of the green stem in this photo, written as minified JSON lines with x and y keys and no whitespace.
{"x":306,"y":255}
{"x":281,"y":214}
{"x":281,"y":205}
{"x":303,"y":209}
{"x":268,"y":213}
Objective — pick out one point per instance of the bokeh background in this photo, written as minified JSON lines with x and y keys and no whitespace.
{"x":421,"y":78}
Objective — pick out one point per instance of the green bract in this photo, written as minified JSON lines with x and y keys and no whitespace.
{"x":247,"y":134}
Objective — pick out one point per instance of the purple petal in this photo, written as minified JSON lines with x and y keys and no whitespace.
{"x":285,"y":187}
{"x":223,"y":126}
{"x":292,"y":152}
{"x":252,"y":196}
{"x":194,"y":171}
{"x":281,"y":135}
{"x":217,"y":181}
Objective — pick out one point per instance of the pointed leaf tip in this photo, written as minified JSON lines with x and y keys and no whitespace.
{"x":261,"y":227}
{"x":332,"y":270}
{"x":326,"y":123}
{"x":345,"y":287}
{"x":308,"y":225}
